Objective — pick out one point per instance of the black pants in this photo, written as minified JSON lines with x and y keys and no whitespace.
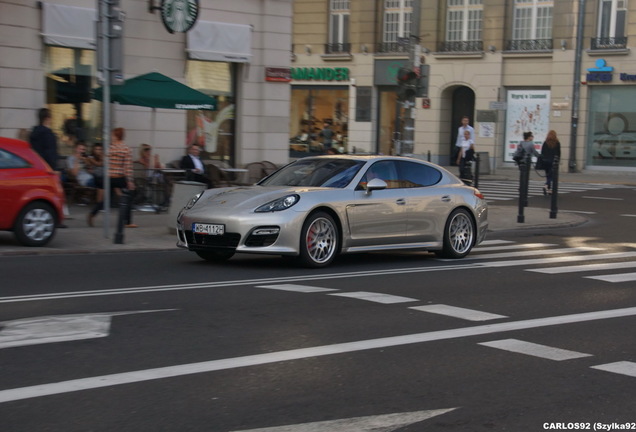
{"x":122,"y":184}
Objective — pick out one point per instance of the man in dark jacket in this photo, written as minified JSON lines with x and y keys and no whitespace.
{"x":43,"y":140}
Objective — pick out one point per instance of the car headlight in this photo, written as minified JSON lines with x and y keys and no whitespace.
{"x":193,"y":201}
{"x":279,"y":204}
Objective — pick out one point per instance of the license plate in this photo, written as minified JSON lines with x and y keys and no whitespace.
{"x":208,"y":229}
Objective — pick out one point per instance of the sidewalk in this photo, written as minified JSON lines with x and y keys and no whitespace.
{"x":154,"y":233}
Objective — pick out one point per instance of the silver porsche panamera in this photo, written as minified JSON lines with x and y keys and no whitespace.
{"x":318,"y":207}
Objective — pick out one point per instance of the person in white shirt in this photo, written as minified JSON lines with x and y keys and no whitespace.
{"x":465,"y":155}
{"x":463,"y":128}
{"x":195,"y":168}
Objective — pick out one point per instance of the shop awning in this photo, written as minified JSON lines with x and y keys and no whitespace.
{"x":215,"y":41}
{"x":68,"y":26}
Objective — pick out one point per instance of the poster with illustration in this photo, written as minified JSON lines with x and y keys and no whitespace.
{"x":527,"y":111}
{"x":212,"y":130}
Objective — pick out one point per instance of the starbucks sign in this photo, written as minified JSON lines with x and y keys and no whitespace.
{"x":179,"y":16}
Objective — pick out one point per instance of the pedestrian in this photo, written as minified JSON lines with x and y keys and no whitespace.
{"x":525,"y":149}
{"x":327,"y":136}
{"x":550,"y":149}
{"x":43,"y":140}
{"x":120,"y":173}
{"x":465,"y":126}
{"x":465,"y":156}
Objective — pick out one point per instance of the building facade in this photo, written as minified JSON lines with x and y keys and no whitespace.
{"x":48,"y":58}
{"x":511,"y":66}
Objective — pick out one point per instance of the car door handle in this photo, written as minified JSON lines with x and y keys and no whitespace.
{"x":400,"y":201}
{"x":446,"y":198}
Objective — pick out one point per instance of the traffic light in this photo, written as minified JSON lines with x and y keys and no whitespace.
{"x":422,"y":82}
{"x":407,"y":84}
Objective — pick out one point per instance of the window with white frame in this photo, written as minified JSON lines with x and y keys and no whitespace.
{"x":612,"y":17}
{"x":532,"y":20}
{"x":464,"y":20}
{"x":397,"y":20}
{"x":338,"y":23}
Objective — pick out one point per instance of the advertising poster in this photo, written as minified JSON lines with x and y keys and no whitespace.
{"x":527,"y":111}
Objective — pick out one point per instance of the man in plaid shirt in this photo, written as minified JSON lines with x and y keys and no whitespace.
{"x":120,"y":171}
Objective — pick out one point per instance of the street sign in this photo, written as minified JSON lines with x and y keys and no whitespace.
{"x":499,"y":106}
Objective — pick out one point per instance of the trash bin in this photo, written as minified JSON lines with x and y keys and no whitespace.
{"x":484,"y":162}
{"x":182,"y":191}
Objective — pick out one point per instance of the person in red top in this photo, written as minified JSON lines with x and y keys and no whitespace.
{"x":120,"y":171}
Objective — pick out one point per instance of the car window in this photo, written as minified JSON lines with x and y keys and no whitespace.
{"x":384,"y":170}
{"x":320,"y":172}
{"x":413,"y":174}
{"x":10,"y":160}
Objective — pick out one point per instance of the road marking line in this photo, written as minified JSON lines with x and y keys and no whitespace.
{"x":385,"y":422}
{"x":457,"y":312}
{"x":615,"y":278}
{"x":554,"y":260}
{"x":603,"y":198}
{"x":584,"y":267}
{"x":578,"y":212}
{"x":296,"y":288}
{"x":621,"y":367}
{"x":533,"y":252}
{"x":15,"y":394}
{"x":376,"y":297}
{"x":629,"y":215}
{"x":515,"y":246}
{"x":495,"y":242}
{"x":536,"y":350}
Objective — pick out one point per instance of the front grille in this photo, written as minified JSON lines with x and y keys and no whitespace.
{"x":228,"y":240}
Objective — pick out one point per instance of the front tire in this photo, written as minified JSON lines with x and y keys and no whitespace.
{"x":319,"y":240}
{"x":35,"y":225}
{"x":215,"y":256}
{"x":459,"y":235}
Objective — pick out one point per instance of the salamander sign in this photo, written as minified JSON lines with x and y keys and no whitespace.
{"x":320,"y":74}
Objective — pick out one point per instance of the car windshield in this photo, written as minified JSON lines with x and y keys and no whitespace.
{"x":320,"y":172}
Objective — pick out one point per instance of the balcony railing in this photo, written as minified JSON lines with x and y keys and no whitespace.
{"x":530,"y":45}
{"x":461,"y":46}
{"x":392,"y":48}
{"x":604,"y":43}
{"x":338,"y":48}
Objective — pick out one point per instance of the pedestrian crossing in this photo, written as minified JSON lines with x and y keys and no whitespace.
{"x":501,"y":190}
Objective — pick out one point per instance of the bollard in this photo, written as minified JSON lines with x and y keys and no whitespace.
{"x":524,"y":177}
{"x":555,"y":188}
{"x":124,"y":203}
{"x":476,"y":175}
{"x":428,"y":156}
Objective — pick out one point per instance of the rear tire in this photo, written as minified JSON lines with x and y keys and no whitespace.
{"x":459,"y":235}
{"x":319,"y":241}
{"x":215,"y":256}
{"x":35,"y":225}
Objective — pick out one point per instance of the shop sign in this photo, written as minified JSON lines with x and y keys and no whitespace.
{"x":601,"y":73}
{"x":278,"y":74}
{"x":179,"y":15}
{"x":320,"y":74}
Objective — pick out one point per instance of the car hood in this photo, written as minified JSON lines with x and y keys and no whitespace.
{"x":248,"y":197}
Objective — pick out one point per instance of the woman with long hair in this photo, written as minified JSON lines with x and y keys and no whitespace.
{"x":549,"y":150}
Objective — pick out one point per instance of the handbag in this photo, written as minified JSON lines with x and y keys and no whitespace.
{"x":539,"y":164}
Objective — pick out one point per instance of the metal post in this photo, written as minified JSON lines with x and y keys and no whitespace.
{"x":476,"y":175}
{"x":105,"y":56}
{"x":408,"y":135}
{"x":524,"y":175}
{"x":555,"y":188}
{"x":576,"y":87}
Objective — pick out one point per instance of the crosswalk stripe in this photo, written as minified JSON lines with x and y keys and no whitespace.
{"x":622,"y":367}
{"x":496,"y":242}
{"x":554,"y":260}
{"x":622,"y":277}
{"x":536,"y":350}
{"x":376,"y":297}
{"x":296,"y":288}
{"x":515,"y":246}
{"x":457,"y":312}
{"x":532,"y":252}
{"x":584,"y":267}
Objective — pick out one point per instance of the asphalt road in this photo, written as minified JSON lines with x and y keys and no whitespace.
{"x":517,"y":337}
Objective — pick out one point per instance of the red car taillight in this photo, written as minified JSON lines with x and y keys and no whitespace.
{"x":479,"y":194}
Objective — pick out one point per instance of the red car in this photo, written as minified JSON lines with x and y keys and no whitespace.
{"x":31,"y":194}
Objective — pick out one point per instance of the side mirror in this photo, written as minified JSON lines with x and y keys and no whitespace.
{"x":376,"y":184}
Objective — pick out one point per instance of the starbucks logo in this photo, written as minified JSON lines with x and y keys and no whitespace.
{"x":179,"y":15}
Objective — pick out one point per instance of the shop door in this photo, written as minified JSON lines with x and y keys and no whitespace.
{"x":389,"y":125}
{"x":463,"y":105}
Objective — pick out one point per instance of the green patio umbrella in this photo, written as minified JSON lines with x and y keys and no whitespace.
{"x":155,"y":90}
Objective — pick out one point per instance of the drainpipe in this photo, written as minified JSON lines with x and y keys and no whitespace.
{"x":576,"y":87}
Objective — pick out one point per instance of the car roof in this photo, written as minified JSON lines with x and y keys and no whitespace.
{"x":14,"y":142}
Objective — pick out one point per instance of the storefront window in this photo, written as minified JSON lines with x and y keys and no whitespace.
{"x":213,"y":130}
{"x":612,"y":127}
{"x":313,"y":107}
{"x":389,"y":121}
{"x":69,"y":80}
